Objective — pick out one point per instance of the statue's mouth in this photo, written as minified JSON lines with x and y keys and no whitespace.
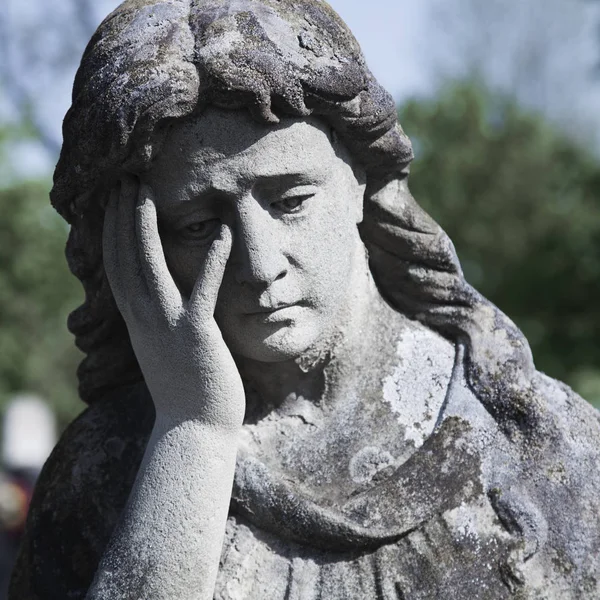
{"x":270,"y":308}
{"x":274,"y":308}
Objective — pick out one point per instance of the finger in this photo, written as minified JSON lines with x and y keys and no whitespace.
{"x":127,"y":246}
{"x":159,"y":280}
{"x":206,"y":290}
{"x":109,"y":246}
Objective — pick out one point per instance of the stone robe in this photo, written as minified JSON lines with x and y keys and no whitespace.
{"x":470,"y":511}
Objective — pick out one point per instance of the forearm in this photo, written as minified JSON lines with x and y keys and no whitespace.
{"x":168,"y":542}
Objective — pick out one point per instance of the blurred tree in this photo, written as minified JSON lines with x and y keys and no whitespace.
{"x":41,"y":44}
{"x":37,"y":292}
{"x":540,"y":52}
{"x":522,"y":205}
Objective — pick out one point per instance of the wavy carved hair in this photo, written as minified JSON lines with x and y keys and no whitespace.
{"x":153,"y":61}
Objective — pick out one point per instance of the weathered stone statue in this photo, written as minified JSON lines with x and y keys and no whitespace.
{"x":268,"y":309}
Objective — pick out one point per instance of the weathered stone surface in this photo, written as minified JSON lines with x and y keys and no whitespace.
{"x":469,"y":515}
{"x":413,"y":451}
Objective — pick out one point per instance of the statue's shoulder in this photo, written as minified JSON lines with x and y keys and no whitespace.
{"x":566,"y":443}
{"x":79,"y":496}
{"x":569,"y":409}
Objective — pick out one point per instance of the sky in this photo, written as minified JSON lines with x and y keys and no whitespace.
{"x":402,"y":40}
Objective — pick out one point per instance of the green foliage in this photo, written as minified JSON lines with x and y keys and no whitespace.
{"x":37,"y":292}
{"x":522,"y":205}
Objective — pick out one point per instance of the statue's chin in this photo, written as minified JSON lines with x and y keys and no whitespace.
{"x":272,"y":341}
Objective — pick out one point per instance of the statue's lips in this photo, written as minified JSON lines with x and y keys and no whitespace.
{"x":279,"y":312}
{"x":271,"y":307}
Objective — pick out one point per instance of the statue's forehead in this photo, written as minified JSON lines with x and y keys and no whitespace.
{"x":227,"y":134}
{"x":233,"y":131}
{"x":226,"y":146}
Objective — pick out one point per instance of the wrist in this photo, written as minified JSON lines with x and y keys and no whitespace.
{"x":219,"y":406}
{"x":226,"y":423}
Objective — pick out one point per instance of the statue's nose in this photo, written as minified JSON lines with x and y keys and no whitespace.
{"x":259,"y":247}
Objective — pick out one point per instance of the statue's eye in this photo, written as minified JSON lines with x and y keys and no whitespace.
{"x":293,"y":203}
{"x":201,"y":230}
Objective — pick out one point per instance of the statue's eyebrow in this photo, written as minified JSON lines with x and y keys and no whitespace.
{"x":297,"y":178}
{"x":207,"y":192}
{"x":210,"y":192}
{"x":202,"y":198}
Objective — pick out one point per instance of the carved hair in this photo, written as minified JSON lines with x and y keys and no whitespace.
{"x":154,"y":61}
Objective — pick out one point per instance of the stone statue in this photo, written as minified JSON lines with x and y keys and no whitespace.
{"x":293,"y":392}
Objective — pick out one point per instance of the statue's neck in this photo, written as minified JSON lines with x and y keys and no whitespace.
{"x":327,"y":370}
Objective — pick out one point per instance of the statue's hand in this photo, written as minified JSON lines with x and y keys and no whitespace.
{"x":185,"y":362}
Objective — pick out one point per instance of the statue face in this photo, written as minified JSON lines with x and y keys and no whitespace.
{"x":292,"y":201}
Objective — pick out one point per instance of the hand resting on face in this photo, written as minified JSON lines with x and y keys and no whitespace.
{"x":187,"y":366}
{"x":176,"y":512}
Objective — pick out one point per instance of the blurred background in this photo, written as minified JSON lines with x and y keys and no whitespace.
{"x":502,"y":101}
